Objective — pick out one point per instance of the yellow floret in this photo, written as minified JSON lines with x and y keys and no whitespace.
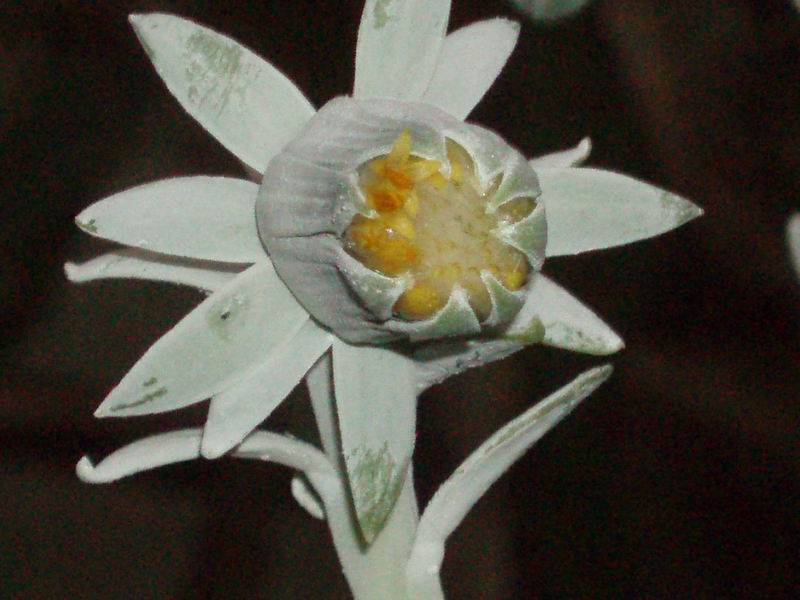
{"x":419,"y":302}
{"x":435,"y":228}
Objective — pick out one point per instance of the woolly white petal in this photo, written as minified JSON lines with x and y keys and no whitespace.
{"x":399,"y":42}
{"x":238,"y":410}
{"x":472,"y":58}
{"x":210,"y":218}
{"x":306,"y":498}
{"x":567,"y":322}
{"x":239,"y":98}
{"x":573,"y":157}
{"x":550,"y":316}
{"x":183,"y":445}
{"x":591,"y":209}
{"x":376,"y":406}
{"x":453,"y":500}
{"x":793,"y":239}
{"x":214,"y":346}
{"x":133,"y":263}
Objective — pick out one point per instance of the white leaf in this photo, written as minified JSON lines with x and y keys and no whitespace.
{"x":306,"y":498}
{"x":567,"y":322}
{"x":239,"y":409}
{"x":573,"y":157}
{"x":453,"y":500}
{"x":793,"y":239}
{"x":591,"y":209}
{"x":209,"y":218}
{"x":133,"y":263}
{"x":471,"y":59}
{"x":376,"y":406}
{"x":399,"y":42}
{"x":214,"y":346}
{"x":550,"y":10}
{"x":183,"y":445}
{"x":239,"y":98}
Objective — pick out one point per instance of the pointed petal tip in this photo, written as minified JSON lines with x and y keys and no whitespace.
{"x":213,"y":448}
{"x":102,"y":412}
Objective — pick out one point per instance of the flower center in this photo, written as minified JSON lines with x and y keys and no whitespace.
{"x":434,"y":227}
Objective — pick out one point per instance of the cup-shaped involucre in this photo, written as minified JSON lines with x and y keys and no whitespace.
{"x":391,"y":220}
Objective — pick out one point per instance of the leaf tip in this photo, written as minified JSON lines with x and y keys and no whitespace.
{"x":213,"y":446}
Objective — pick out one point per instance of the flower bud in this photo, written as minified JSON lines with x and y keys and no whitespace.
{"x":392,"y":220}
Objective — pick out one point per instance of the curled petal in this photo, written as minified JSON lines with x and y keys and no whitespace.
{"x":239,"y":98}
{"x":399,"y":42}
{"x":184,"y":445}
{"x":471,"y":59}
{"x":592,"y":209}
{"x":453,"y":500}
{"x":305,"y":496}
{"x":206,"y":218}
{"x":133,"y":263}
{"x":573,"y":157}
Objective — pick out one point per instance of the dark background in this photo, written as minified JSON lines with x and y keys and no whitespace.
{"x":679,"y":478}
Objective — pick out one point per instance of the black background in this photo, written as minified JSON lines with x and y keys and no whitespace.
{"x":679,"y":478}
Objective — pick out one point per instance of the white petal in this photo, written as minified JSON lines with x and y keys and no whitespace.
{"x":286,"y":451}
{"x":306,"y":498}
{"x":238,"y":410}
{"x":133,"y":263}
{"x":574,"y":157}
{"x":471,"y":59}
{"x":207,"y":218}
{"x":376,"y":406}
{"x":567,"y":322}
{"x":472,"y":479}
{"x":320,"y":390}
{"x":399,"y":42}
{"x":548,"y":10}
{"x":550,"y":316}
{"x":142,"y":455}
{"x":214,"y":346}
{"x":591,"y":209}
{"x":793,"y":239}
{"x":436,"y":361}
{"x":183,"y":445}
{"x":240,"y":99}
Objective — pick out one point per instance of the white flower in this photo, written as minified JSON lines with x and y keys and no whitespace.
{"x":261,"y":330}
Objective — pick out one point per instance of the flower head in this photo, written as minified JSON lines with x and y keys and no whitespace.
{"x":392,"y":219}
{"x":385,"y":218}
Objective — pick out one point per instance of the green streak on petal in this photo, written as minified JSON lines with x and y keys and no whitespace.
{"x":380,"y":15}
{"x":375,"y":484}
{"x":89,"y":226}
{"x":149,"y":397}
{"x":533,"y":333}
{"x":213,"y":71}
{"x":150,"y":382}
